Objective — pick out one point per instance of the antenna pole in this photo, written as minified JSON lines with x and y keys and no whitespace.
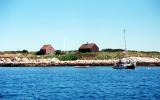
{"x":124,"y":31}
{"x":64,"y":42}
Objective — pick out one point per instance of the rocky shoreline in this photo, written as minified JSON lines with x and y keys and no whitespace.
{"x":27,"y":62}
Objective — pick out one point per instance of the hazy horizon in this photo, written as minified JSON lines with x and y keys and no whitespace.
{"x":29,"y":24}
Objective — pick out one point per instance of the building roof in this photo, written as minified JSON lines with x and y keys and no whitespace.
{"x":87,"y":46}
{"x":46,"y":46}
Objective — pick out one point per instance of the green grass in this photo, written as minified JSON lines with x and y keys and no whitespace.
{"x":109,"y":55}
{"x":74,"y":55}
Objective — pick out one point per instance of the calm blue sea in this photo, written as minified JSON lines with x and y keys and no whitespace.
{"x":99,"y":83}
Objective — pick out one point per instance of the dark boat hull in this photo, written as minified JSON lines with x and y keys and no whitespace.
{"x":132,"y":66}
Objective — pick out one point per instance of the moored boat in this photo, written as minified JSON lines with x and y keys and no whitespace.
{"x":81,"y":66}
{"x":125,"y":63}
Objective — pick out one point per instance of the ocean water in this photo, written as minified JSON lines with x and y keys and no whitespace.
{"x":68,"y":83}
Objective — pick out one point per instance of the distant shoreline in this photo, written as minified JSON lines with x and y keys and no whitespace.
{"x":17,"y":61}
{"x":156,"y":64}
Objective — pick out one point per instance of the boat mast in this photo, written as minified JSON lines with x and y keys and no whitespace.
{"x":125,"y":44}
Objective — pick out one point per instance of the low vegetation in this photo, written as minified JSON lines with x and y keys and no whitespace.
{"x":68,"y":57}
{"x":74,"y":55}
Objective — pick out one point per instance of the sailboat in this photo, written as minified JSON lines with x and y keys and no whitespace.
{"x":125,"y":63}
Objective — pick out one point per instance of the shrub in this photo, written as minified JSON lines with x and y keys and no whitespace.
{"x":25,"y":51}
{"x":38,"y":53}
{"x":112,"y":50}
{"x":58,"y":52}
{"x":69,"y":56}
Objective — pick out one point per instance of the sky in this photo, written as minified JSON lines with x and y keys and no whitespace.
{"x":66,"y":24}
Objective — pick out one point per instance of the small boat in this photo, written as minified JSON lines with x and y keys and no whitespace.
{"x":81,"y":66}
{"x":125,"y":63}
{"x":148,"y":68}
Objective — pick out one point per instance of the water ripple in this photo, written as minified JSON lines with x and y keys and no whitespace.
{"x":85,"y":84}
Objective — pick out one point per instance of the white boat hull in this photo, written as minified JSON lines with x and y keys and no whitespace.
{"x":81,"y":66}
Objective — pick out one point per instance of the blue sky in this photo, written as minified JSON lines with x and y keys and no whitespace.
{"x":28,"y":24}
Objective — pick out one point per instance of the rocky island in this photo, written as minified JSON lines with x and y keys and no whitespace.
{"x":106,"y":57}
{"x":14,"y":62}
